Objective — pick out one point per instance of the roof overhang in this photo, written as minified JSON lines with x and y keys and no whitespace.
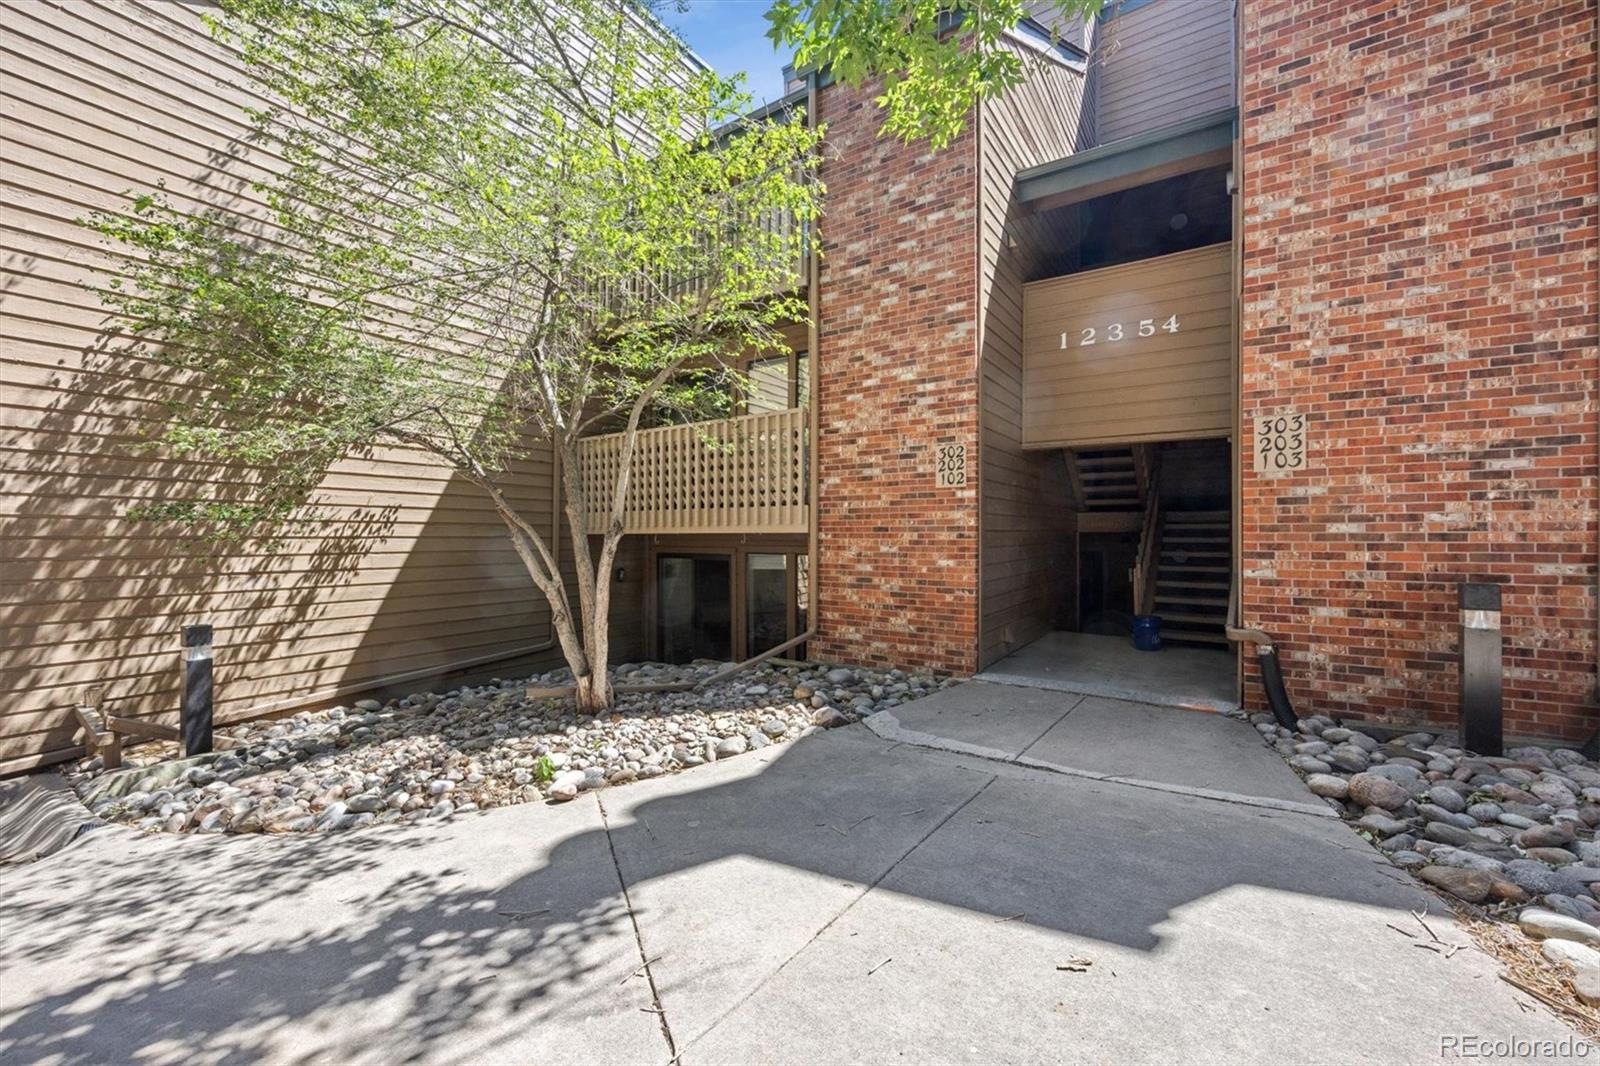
{"x":1194,"y":144}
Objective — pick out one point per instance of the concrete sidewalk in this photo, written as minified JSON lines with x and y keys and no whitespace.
{"x":1191,"y":753}
{"x":841,"y":899}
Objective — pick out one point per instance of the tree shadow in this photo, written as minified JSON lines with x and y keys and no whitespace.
{"x":96,"y":597}
{"x":509,"y":929}
{"x":397,"y":565}
{"x":443,"y":948}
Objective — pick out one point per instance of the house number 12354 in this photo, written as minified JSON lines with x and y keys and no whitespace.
{"x":1117,"y":331}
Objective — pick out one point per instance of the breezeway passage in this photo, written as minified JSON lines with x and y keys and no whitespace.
{"x":843,"y":898}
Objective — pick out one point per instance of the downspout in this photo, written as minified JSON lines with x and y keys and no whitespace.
{"x":1235,"y":630}
{"x":813,"y":392}
{"x":1266,"y":660}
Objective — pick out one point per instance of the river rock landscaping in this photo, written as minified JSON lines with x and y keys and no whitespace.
{"x":1514,"y":836}
{"x":433,"y":755}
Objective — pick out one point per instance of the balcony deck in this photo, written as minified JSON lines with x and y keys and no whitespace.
{"x":735,"y":475}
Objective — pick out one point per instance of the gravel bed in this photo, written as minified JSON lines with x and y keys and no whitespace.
{"x":434,"y":755}
{"x":1513,"y":835}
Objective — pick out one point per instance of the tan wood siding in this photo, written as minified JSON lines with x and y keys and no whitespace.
{"x":413,"y":570}
{"x":1162,"y":63}
{"x":1172,"y":384}
{"x":1026,"y":516}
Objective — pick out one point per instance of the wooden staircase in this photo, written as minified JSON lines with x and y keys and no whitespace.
{"x":1109,"y":479}
{"x":1184,"y":563}
{"x":1194,"y":560}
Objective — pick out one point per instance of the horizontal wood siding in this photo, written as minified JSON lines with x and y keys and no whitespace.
{"x":1161,"y":63}
{"x":412,"y":570}
{"x":1026,"y":517}
{"x":1167,"y":386}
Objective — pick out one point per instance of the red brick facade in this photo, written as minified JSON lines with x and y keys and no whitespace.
{"x":898,"y":555}
{"x":1419,"y":242}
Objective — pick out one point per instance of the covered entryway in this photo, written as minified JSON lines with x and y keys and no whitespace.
{"x":1149,"y":536}
{"x":1115,"y":502}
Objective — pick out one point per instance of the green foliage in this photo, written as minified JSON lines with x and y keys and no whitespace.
{"x":936,"y":58}
{"x":544,"y":770}
{"x":495,"y":225}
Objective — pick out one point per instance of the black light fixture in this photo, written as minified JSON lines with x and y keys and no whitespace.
{"x":1482,"y":719}
{"x":195,"y":717}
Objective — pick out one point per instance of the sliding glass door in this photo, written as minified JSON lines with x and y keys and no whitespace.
{"x":694,"y":607}
{"x":728,"y":601}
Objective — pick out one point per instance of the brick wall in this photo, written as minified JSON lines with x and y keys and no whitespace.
{"x":1420,"y":279}
{"x":898,"y":376}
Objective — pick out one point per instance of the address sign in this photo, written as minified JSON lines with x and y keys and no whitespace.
{"x":1280,"y":443}
{"x":951,"y":466}
{"x":1112,"y":332}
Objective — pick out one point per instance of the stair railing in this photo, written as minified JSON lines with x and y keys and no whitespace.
{"x":1148,"y":559}
{"x":1080,"y":499}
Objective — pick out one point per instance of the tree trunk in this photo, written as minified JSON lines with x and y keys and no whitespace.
{"x":594,"y":694}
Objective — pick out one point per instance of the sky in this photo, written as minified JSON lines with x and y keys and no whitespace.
{"x":731,"y":36}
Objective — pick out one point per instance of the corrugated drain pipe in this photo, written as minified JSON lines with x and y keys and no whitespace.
{"x":1266,"y":659}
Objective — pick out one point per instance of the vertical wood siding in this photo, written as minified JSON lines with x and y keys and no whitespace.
{"x":1161,"y":63}
{"x":412,"y":570}
{"x":1026,"y":517}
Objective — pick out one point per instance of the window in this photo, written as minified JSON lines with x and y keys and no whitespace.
{"x":779,"y":383}
{"x":769,"y":385}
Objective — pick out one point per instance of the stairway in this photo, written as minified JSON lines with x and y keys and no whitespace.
{"x":1107,"y":479}
{"x":1191,"y":587}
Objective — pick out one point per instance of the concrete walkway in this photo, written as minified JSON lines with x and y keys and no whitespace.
{"x":846,"y":898}
{"x":1191,"y":753}
{"x":1091,"y":664}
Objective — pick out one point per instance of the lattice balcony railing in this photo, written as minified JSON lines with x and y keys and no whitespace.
{"x":736,"y":475}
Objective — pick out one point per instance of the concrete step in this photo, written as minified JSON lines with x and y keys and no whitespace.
{"x":1196,"y":619}
{"x":1196,"y":635}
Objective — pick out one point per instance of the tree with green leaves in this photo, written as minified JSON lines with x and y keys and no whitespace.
{"x":492,"y":227}
{"x":936,"y":59}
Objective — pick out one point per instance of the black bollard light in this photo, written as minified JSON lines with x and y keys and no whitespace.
{"x":1482,"y":717}
{"x":195,"y":721}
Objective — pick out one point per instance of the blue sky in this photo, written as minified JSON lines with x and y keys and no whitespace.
{"x":731,"y":36}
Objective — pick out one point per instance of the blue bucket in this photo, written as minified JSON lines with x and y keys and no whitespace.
{"x":1147,"y":632}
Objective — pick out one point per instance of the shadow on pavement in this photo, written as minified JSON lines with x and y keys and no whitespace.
{"x":507,"y":933}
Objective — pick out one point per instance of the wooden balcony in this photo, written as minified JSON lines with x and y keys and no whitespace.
{"x":736,"y":475}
